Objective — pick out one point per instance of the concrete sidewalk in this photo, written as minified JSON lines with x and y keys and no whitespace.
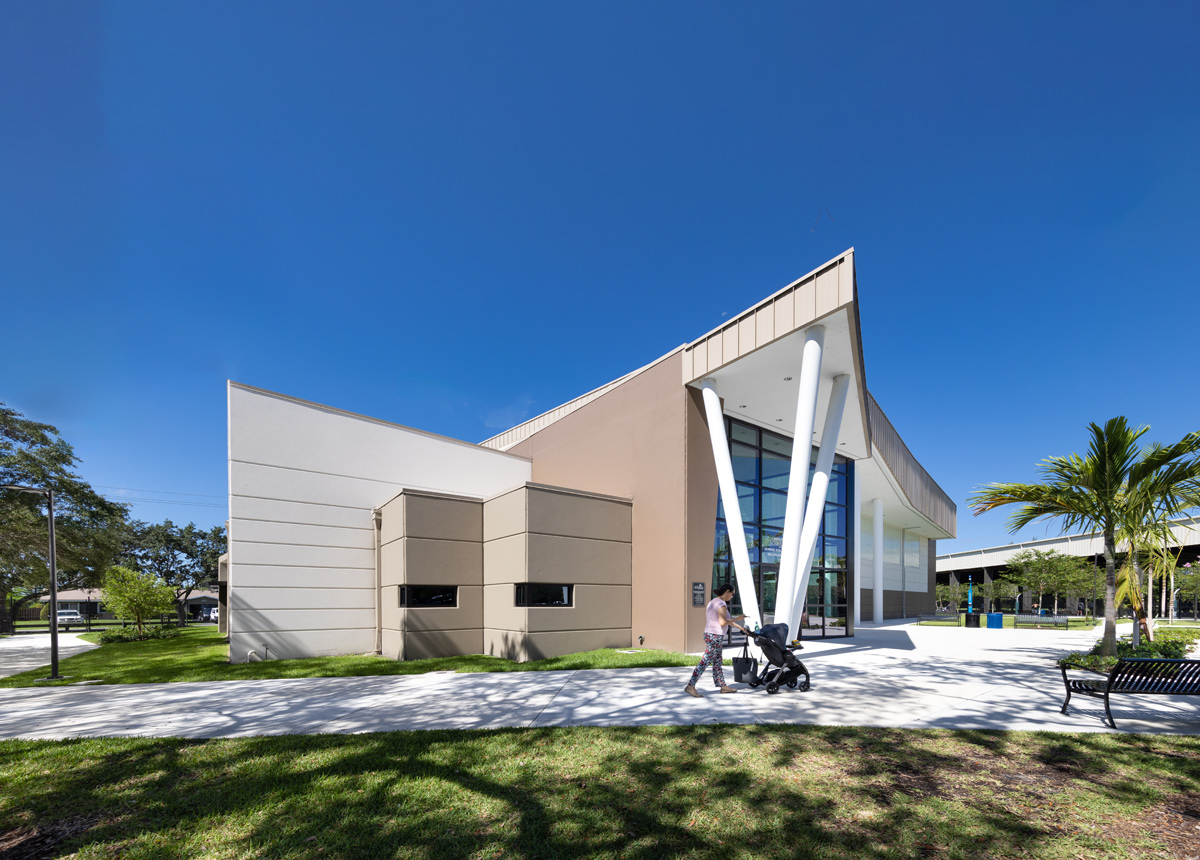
{"x":32,"y":650}
{"x":898,"y":675}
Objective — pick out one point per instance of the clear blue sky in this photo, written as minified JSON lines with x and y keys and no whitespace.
{"x":286,"y":193}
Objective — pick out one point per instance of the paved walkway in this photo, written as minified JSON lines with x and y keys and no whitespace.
{"x":31,"y":650}
{"x":899,"y":675}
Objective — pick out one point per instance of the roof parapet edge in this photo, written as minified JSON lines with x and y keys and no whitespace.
{"x":358,"y":415}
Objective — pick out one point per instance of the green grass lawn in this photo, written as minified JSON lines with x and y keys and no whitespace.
{"x":753,"y":792}
{"x":200,"y":653}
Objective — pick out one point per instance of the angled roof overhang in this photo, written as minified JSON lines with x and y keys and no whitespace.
{"x":754,"y":358}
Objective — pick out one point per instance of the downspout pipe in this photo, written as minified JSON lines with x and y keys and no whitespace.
{"x":377,"y":530}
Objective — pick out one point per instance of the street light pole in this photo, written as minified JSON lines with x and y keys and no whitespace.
{"x":49,"y":494}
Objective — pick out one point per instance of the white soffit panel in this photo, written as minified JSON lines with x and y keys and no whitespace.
{"x":762,"y":387}
{"x":877,"y":482}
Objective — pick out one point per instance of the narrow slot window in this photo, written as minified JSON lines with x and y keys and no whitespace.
{"x":428,"y":596}
{"x":543,"y":594}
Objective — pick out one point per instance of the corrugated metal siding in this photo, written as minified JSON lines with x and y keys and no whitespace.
{"x":922,"y":491}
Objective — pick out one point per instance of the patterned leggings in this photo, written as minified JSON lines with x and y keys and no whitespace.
{"x":712,"y":654}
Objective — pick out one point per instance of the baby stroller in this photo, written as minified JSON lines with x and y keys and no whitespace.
{"x":782,"y":666}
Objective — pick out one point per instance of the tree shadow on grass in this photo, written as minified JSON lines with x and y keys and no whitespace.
{"x":697,"y":791}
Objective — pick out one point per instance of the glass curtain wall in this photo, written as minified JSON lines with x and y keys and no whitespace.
{"x":762,"y":461}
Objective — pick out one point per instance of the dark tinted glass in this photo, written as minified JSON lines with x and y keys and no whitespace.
{"x":431,"y":595}
{"x":541,"y":594}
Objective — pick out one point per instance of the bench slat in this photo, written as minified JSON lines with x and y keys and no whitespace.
{"x":1139,"y":675}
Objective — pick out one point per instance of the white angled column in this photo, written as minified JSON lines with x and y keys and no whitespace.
{"x":877,"y":560}
{"x":855,"y":593}
{"x":815,"y":510}
{"x":806,"y":416}
{"x":729,"y":499}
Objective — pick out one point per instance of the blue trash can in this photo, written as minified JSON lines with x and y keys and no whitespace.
{"x":995,"y":620}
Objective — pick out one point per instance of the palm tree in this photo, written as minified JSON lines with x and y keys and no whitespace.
{"x":1112,"y":490}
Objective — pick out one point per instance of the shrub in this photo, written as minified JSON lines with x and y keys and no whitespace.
{"x":132,"y":634}
{"x":1169,"y":643}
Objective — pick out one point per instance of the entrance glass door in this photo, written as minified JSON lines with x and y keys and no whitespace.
{"x":825,"y":613}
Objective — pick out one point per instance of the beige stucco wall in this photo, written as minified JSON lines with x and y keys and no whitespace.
{"x":431,"y":539}
{"x":646,"y":440}
{"x":552,"y":535}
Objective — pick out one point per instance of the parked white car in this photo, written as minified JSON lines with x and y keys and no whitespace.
{"x":69,"y":616}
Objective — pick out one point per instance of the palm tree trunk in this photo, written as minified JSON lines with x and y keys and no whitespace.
{"x":1108,"y":645}
{"x":1141,"y":623}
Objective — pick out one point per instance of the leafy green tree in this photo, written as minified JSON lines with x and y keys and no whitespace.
{"x":135,"y":595}
{"x":949,"y":596}
{"x":183,"y":557}
{"x":205,"y":546}
{"x":997,"y":589}
{"x":1050,"y":573}
{"x":88,"y":527}
{"x":1109,"y":490}
{"x":1189,"y":586}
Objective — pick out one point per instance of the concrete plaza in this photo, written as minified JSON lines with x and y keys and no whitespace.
{"x":895,"y":675}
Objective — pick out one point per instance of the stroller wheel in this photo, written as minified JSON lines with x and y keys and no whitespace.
{"x":805,"y":686}
{"x":772,"y":688}
{"x":753,"y":681}
{"x":792,"y":684}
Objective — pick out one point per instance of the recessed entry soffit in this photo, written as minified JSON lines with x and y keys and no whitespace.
{"x":763,"y":387}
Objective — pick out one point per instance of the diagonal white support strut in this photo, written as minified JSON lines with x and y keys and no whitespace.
{"x":729,"y":499}
{"x":815,"y":510}
{"x":806,"y":416}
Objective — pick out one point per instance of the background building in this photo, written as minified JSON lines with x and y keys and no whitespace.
{"x":599,"y":523}
{"x":985,"y":565}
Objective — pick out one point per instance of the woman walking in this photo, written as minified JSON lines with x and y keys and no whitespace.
{"x":716,"y":620}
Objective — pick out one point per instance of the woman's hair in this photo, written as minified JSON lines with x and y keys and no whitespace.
{"x":722,"y":589}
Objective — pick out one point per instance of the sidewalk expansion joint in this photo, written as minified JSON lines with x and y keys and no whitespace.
{"x":561,"y":687}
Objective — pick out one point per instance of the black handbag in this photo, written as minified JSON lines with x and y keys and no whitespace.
{"x":745,"y":667}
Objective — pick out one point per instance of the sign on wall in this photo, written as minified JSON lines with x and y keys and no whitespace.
{"x":697,"y":594}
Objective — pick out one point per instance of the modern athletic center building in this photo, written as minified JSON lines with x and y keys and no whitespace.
{"x":602,"y":523}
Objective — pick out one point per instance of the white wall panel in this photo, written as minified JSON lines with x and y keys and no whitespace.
{"x":306,"y":534}
{"x":274,"y":576}
{"x":298,"y":485}
{"x":915,"y":578}
{"x":303,"y":481}
{"x":304,"y":513}
{"x":262,"y":599}
{"x":249,"y":552}
{"x":275,"y":430}
{"x":301,"y":643}
{"x":284,"y":620}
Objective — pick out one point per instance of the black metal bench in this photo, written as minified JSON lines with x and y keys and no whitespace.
{"x":938,"y":616}
{"x":1138,"y":675}
{"x":1042,"y":621}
